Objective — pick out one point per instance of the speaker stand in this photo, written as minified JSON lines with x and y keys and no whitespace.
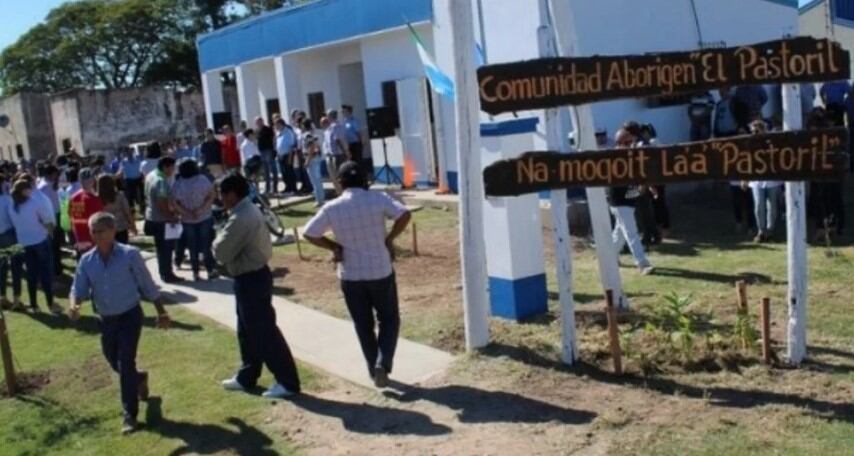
{"x":393,"y":178}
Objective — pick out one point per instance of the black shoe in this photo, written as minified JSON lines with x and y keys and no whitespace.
{"x":129,"y":425}
{"x":380,"y":377}
{"x":173,"y":279}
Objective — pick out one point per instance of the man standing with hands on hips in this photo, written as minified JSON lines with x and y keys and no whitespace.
{"x":114,"y":277}
{"x":364,"y":253}
{"x":244,"y":248}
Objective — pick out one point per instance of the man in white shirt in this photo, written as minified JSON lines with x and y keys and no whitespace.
{"x":364,"y":253}
{"x":248,"y":151}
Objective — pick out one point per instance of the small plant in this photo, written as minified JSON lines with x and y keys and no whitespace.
{"x":744,"y":330}
{"x":676,"y":323}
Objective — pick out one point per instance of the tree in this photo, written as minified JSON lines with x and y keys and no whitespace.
{"x":100,"y":44}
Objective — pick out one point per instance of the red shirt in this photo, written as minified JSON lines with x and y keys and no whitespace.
{"x":230,"y":153}
{"x":82,"y":206}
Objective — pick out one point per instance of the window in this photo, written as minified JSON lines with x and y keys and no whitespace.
{"x":20,"y":150}
{"x":66,"y":145}
{"x":844,"y":9}
{"x":316,"y":106}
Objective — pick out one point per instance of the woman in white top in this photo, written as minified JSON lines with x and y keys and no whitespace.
{"x":248,"y":151}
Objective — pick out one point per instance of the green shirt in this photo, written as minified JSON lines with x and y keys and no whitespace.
{"x":244,"y":244}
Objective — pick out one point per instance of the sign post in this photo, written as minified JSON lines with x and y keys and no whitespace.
{"x":563,"y":24}
{"x":467,"y":115}
{"x":796,"y":232}
{"x":556,"y":139}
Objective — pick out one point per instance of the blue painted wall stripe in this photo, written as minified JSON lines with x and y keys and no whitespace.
{"x":518,"y":299}
{"x":317,"y":23}
{"x":510,"y":127}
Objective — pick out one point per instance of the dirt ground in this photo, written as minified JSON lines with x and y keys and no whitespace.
{"x":515,"y":397}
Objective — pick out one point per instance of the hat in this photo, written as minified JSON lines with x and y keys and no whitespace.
{"x":86,"y":174}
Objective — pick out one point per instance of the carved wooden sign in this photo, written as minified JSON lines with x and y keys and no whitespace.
{"x":786,"y":156}
{"x":553,"y":82}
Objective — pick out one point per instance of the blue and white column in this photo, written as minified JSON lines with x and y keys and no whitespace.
{"x":513,"y":230}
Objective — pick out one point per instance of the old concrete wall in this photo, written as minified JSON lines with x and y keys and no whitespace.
{"x":29,"y":127}
{"x":109,"y":119}
{"x":66,"y":121}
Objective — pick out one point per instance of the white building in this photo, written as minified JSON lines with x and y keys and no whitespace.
{"x":832,"y":19}
{"x":359,"y":52}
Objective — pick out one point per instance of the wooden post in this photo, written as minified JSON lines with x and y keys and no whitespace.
{"x":613,"y":332}
{"x":557,"y":139}
{"x":299,"y":246}
{"x":564,"y":23}
{"x":467,"y":117}
{"x":6,"y":353}
{"x":765,"y":318}
{"x":414,"y":238}
{"x":741,"y":292}
{"x":796,"y":231}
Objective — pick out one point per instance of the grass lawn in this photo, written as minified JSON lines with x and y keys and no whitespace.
{"x":78,"y":410}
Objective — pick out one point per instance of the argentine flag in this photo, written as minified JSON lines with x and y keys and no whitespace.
{"x":442,"y":84}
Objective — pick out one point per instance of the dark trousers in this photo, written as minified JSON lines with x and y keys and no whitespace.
{"x":16,"y":263}
{"x":363,"y":298}
{"x":164,"y":247}
{"x":56,"y":247}
{"x":119,"y":341}
{"x":198,"y":236}
{"x":261,"y":342}
{"x":39,"y":262}
{"x":271,"y":172}
{"x":134,"y":193}
{"x":288,"y":175}
{"x":826,"y":204}
{"x":742,"y":206}
{"x":659,"y":205}
{"x":645,"y":217}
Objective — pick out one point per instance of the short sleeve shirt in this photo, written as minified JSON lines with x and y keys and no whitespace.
{"x":191,"y":194}
{"x":358,"y":220}
{"x":156,"y":187}
{"x":82,"y":206}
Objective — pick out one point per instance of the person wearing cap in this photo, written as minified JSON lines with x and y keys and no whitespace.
{"x":244,"y":248}
{"x":83,"y":205}
{"x":113,"y":275}
{"x":364,"y":253}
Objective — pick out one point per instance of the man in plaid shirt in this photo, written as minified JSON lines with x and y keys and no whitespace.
{"x":364,"y":253}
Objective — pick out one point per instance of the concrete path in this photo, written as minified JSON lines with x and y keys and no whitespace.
{"x":325,"y":342}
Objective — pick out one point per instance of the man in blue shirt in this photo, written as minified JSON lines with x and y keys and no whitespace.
{"x":115,"y":278}
{"x":286,"y":143}
{"x":354,"y":136}
{"x":130,"y":170}
{"x":833,"y":97}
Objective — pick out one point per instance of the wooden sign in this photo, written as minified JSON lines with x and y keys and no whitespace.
{"x":786,"y":156}
{"x":553,"y":82}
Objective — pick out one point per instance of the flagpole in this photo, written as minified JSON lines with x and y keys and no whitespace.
{"x":467,"y":118}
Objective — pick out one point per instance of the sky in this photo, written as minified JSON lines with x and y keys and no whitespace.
{"x":30,"y":12}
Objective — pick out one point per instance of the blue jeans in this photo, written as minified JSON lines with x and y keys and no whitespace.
{"x":199,"y":240}
{"x":119,"y":341}
{"x":39,"y":261}
{"x":271,"y":171}
{"x":766,"y":205}
{"x":316,"y":178}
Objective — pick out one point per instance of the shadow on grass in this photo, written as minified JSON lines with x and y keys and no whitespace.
{"x":716,"y":396}
{"x":479,"y":406}
{"x":705,"y":276}
{"x":240,"y":438}
{"x":89,"y":325}
{"x":831,"y":351}
{"x":370,"y":419}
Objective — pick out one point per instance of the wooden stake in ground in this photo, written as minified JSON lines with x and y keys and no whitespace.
{"x":414,"y":239}
{"x":299,"y":246}
{"x":613,"y":332}
{"x":6,"y":353}
{"x":557,"y":139}
{"x":765,"y":318}
{"x":796,"y":231}
{"x":467,"y":115}
{"x":741,"y":293}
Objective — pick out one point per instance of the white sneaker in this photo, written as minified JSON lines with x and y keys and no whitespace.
{"x":278,"y":391}
{"x":232,"y":385}
{"x":647,"y":270}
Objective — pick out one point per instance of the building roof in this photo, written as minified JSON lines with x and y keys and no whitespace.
{"x":293,"y":28}
{"x":837,"y":20}
{"x":812,"y":4}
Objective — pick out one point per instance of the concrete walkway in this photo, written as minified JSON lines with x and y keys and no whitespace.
{"x":325,"y":342}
